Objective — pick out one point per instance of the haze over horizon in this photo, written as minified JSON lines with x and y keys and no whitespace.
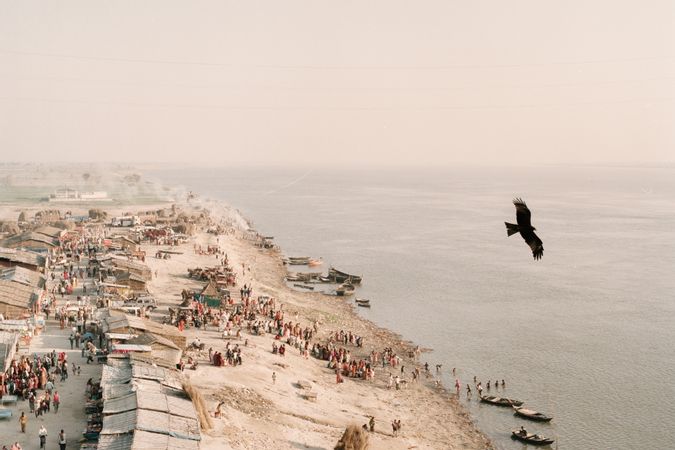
{"x":315,"y":83}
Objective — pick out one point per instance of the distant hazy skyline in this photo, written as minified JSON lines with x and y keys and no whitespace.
{"x":316,"y":82}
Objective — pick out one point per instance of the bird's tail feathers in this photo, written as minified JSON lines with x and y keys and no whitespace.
{"x":511,"y":228}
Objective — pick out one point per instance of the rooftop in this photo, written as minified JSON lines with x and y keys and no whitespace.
{"x":22,"y":257}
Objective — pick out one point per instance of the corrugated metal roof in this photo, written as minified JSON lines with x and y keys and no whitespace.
{"x":164,"y":402}
{"x":159,"y":422}
{"x":115,"y":375}
{"x":120,"y":404}
{"x":119,"y":423}
{"x":144,"y":440}
{"x":116,"y":442}
{"x":111,"y":391}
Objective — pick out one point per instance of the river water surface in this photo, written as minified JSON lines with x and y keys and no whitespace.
{"x":587,"y":334}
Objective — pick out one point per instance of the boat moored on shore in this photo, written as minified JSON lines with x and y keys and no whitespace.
{"x":500,"y":401}
{"x":531,"y":414}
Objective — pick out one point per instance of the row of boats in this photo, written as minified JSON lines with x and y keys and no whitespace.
{"x":519,"y":410}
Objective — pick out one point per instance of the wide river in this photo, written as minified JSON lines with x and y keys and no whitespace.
{"x":586,"y":335}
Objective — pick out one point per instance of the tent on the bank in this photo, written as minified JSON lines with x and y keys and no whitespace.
{"x":210,"y":295}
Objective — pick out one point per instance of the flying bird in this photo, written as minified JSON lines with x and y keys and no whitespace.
{"x":525,"y":228}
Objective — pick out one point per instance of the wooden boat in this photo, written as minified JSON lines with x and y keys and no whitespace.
{"x":298,"y":260}
{"x":311,"y":288}
{"x":5,"y":413}
{"x":341,"y":277}
{"x":532,"y":415}
{"x":530,"y":438}
{"x":362,"y":300}
{"x":347,"y":287}
{"x":314,"y":262}
{"x":342,"y":292}
{"x":302,"y":276}
{"x":500,"y":401}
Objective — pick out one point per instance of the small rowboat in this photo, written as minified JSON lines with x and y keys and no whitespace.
{"x":362,"y":302}
{"x":311,"y":288}
{"x":500,"y":401}
{"x":532,"y":415}
{"x":533,"y":439}
{"x":314,"y":262}
{"x":5,"y":413}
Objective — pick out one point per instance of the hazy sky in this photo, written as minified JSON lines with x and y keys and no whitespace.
{"x":319,"y":82}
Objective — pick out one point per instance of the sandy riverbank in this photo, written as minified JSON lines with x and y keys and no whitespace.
{"x":260,"y":414}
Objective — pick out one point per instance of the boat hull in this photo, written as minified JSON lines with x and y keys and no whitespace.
{"x":529,"y":439}
{"x":498,"y":401}
{"x":537,"y":417}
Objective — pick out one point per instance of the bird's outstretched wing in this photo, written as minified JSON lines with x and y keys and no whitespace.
{"x":534,"y":242}
{"x":523,"y":213}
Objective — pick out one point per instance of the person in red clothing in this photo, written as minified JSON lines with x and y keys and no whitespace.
{"x":56,"y":400}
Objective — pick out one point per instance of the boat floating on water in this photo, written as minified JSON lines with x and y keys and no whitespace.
{"x":500,"y":401}
{"x":531,"y":414}
{"x":364,"y":303}
{"x":530,"y":438}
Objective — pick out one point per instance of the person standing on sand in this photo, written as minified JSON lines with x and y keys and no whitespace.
{"x":274,"y":378}
{"x":371,"y":424}
{"x":457,"y":385}
{"x":62,"y":440}
{"x":23,"y":421}
{"x":56,"y":401}
{"x":43,"y":436}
